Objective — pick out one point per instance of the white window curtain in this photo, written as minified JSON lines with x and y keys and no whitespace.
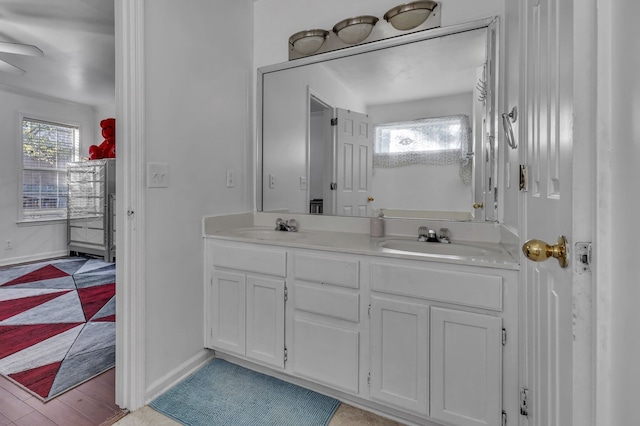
{"x":430,"y":141}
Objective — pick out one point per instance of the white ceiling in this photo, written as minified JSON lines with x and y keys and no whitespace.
{"x":77,"y":38}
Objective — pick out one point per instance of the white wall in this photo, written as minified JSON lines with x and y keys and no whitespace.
{"x":33,"y":241}
{"x":198,"y":73}
{"x":624,"y":173}
{"x":422,"y":187}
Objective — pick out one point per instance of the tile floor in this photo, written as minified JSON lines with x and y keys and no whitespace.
{"x":346,"y":415}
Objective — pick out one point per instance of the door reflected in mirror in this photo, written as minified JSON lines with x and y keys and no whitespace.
{"x":405,"y":128}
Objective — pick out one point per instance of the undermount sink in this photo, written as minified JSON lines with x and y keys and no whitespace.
{"x":268,"y":234}
{"x":452,"y":249}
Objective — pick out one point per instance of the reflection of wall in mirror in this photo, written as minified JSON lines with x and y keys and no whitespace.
{"x":285,"y":107}
{"x":422,"y":187}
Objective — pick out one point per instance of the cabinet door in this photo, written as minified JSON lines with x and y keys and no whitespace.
{"x":466,"y":365}
{"x":265,"y":320}
{"x":399,"y":354}
{"x":228,"y":312}
{"x":326,"y":353}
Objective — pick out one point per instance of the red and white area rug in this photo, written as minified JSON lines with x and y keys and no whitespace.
{"x":57,"y":323}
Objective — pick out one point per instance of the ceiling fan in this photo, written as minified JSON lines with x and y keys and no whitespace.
{"x":17,"y":49}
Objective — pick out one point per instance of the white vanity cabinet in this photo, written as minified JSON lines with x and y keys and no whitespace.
{"x":421,"y":340}
{"x":246,"y":301}
{"x":437,"y":342}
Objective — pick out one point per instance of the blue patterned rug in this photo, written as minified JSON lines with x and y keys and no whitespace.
{"x":57,"y":323}
{"x":221,"y":393}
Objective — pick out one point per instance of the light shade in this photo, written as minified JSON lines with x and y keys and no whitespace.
{"x":408,"y":16}
{"x":355,"y":30}
{"x":309,"y":41}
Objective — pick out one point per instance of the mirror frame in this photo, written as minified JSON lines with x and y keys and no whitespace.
{"x":490,"y":195}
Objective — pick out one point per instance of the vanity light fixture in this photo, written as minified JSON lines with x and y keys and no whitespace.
{"x":308,"y":41}
{"x":355,"y":30}
{"x":408,"y":16}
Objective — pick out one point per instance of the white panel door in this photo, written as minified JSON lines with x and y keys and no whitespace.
{"x":228,"y":316}
{"x":265,"y":320}
{"x":466,"y":367}
{"x":399,"y":354}
{"x":547,"y":143}
{"x":354,"y":143}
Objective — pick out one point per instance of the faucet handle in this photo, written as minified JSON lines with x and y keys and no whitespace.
{"x":422,"y":231}
{"x":292,"y":225}
{"x":444,"y":236}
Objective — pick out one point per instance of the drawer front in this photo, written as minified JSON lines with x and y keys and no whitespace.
{"x":462,"y":288}
{"x":248,"y":258}
{"x":329,"y":302}
{"x":326,"y":354}
{"x":326,"y":269}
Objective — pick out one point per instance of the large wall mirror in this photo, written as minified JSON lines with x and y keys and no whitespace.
{"x":403,"y":126}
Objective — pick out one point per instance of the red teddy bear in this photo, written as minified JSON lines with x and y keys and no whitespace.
{"x":107,"y":149}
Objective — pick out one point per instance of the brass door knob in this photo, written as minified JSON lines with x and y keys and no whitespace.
{"x":478,"y":205}
{"x":539,"y":251}
{"x":369,"y":199}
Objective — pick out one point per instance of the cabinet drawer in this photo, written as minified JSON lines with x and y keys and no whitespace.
{"x":326,"y":269}
{"x":330,"y":302}
{"x":463,"y":288}
{"x":248,"y":258}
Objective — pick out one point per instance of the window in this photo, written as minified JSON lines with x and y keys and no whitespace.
{"x":46,"y":150}
{"x":430,"y":141}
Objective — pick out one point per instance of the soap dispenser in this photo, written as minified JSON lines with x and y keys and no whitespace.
{"x":377,"y":224}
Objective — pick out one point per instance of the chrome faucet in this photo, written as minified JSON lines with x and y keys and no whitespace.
{"x":429,"y":235}
{"x":290,"y":225}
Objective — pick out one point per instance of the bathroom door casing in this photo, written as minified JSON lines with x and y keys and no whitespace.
{"x":354,"y":144}
{"x":546,"y":121}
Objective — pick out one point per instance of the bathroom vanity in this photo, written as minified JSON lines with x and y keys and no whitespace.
{"x":415,"y":335}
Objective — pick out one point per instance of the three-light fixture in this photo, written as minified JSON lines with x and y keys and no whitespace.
{"x":404,"y":17}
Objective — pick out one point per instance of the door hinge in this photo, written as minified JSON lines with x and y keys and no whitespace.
{"x":286,"y":354}
{"x":334,"y":121}
{"x":504,"y":336}
{"x":523,"y":177}
{"x":524,"y":402}
{"x":369,"y":379}
{"x":583,"y":257}
{"x":286,"y":293}
{"x":369,"y":311}
{"x":504,"y":418}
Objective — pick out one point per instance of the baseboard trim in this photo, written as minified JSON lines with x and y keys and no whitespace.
{"x":33,"y":257}
{"x":174,"y":376}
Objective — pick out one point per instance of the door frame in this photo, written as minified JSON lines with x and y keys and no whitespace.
{"x":130,"y":208}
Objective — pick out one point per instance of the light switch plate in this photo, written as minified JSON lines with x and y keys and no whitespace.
{"x":303,"y":182}
{"x":157,"y":175}
{"x":272,"y":181}
{"x":231,"y":179}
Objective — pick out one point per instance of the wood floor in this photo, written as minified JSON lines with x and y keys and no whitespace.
{"x":90,"y":404}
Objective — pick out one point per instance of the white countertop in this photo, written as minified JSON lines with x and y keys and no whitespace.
{"x":242,"y":228}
